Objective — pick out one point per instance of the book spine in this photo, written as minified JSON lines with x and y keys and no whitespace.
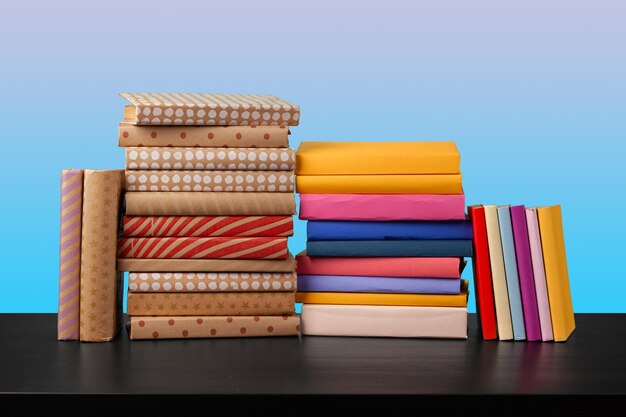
{"x":525,"y":273}
{"x":380,"y":184}
{"x":209,"y":327}
{"x":203,"y":247}
{"x":211,"y":304}
{"x":203,"y":265}
{"x":207,"y":226}
{"x":99,"y":280}
{"x":69,"y":273}
{"x":557,"y":279}
{"x":539,"y":274}
{"x":482,"y":275}
{"x":203,"y":136}
{"x":245,"y":159}
{"x":498,"y":275}
{"x":211,"y":281}
{"x":382,"y":248}
{"x":510,"y":268}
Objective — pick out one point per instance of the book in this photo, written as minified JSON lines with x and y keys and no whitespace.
{"x":100,"y":283}
{"x":539,"y":274}
{"x":498,"y":275}
{"x":210,"y":181}
{"x":386,"y":299}
{"x":384,"y":267}
{"x":203,"y":265}
{"x":209,"y":109}
{"x":557,"y":279}
{"x":344,"y":158}
{"x":510,"y":267}
{"x":485,"y":307}
{"x":242,"y":159}
{"x":211,"y":281}
{"x":203,"y":136}
{"x":384,"y":321}
{"x":209,"y":327}
{"x":345,"y":283}
{"x":203,"y":247}
{"x":379,"y":184}
{"x":393,"y":248}
{"x":366,"y":230}
{"x":382,"y":207}
{"x":209,"y":204}
{"x":525,"y":273}
{"x":69,"y":254}
{"x":211,"y":304}
{"x":207,"y":226}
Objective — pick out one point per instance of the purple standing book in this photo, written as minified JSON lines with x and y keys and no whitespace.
{"x":525,"y":272}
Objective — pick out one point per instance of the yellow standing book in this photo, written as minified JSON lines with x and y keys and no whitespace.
{"x":557,"y":278}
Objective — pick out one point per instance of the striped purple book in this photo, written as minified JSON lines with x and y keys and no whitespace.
{"x":69,"y":274}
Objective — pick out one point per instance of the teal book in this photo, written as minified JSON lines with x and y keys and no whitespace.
{"x":512,"y":278}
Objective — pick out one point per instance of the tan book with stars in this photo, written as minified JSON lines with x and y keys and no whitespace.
{"x":211,"y":304}
{"x":100,"y":283}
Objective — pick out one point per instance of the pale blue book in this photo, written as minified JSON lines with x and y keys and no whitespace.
{"x":512,"y":278}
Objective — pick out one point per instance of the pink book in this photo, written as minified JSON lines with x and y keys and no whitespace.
{"x":539,"y":273}
{"x":382,"y":207}
{"x":382,"y":267}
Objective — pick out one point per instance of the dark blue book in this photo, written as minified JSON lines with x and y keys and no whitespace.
{"x":390,"y":248}
{"x":395,"y":230}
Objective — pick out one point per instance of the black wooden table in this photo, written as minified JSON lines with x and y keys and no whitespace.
{"x":38,"y":373}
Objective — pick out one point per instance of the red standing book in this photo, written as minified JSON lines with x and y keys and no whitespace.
{"x":482,"y":274}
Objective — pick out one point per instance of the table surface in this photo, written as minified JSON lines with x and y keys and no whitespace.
{"x":591,"y":362}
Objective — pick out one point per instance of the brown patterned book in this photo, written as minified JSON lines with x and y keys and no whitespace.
{"x":209,"y":109}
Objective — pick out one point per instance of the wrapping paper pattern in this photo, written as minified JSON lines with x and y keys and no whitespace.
{"x":203,"y":265}
{"x":210,"y":109}
{"x":342,"y":283}
{"x":211,"y":304}
{"x":251,"y":159}
{"x":211,"y":281}
{"x":203,"y":136}
{"x":344,"y":158}
{"x":352,"y":298}
{"x":380,"y":184}
{"x":69,"y":272}
{"x":181,"y":327}
{"x":100,"y":289}
{"x":383,"y":207}
{"x":350,"y":230}
{"x":384,"y":321}
{"x":210,"y":181}
{"x":207,"y":226}
{"x":209,"y":204}
{"x":382,"y":248}
{"x":203,"y":247}
{"x":384,"y":267}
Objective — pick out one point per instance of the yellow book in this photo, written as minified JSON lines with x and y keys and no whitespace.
{"x":379,"y":184}
{"x":340,"y":158}
{"x":557,"y":279}
{"x":352,"y":298}
{"x":498,"y":274}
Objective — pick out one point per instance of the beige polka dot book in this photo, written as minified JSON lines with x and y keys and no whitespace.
{"x":209,"y":182}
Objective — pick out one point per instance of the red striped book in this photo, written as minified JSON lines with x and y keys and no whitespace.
{"x":485,"y":306}
{"x":203,"y":247}
{"x":207,"y":226}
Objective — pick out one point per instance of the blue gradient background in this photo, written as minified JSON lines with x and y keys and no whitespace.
{"x":533,"y":93}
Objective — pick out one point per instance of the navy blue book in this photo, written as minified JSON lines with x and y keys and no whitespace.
{"x":396,"y":230}
{"x":390,"y":248}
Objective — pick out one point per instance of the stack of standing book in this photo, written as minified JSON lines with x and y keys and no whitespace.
{"x":386,"y":235}
{"x":520,"y":273}
{"x":209,"y":204}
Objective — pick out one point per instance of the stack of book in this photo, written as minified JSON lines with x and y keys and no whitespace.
{"x":209,"y":204}
{"x":386,"y":235}
{"x":520,"y":273}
